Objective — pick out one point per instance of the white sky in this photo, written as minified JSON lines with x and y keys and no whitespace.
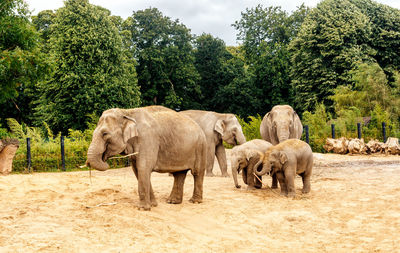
{"x":208,"y":16}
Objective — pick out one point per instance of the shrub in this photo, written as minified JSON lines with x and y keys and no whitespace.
{"x":251,"y":129}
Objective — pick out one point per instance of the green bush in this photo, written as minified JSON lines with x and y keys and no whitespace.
{"x":46,"y":148}
{"x":251,"y":129}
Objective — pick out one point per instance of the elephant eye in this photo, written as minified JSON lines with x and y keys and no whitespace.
{"x":105,"y":134}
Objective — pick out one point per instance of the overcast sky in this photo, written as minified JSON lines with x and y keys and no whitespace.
{"x":200,"y":16}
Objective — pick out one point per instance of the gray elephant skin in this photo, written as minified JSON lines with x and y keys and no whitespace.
{"x":287,"y":159}
{"x":162,"y":140}
{"x":280,"y":124}
{"x":244,"y":157}
{"x":217,"y":127}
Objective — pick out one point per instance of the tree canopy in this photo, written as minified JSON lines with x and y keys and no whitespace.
{"x":92,"y":72}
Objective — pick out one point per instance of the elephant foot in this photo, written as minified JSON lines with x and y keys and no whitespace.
{"x":274,"y":186}
{"x":210,"y":174}
{"x":173,"y":200}
{"x":225,"y":174}
{"x":238,"y":186}
{"x":251,"y":188}
{"x":291,"y":195}
{"x":154,"y":203}
{"x":305,"y":191}
{"x":284,"y":194}
{"x":196,"y":200}
{"x":144,"y":206}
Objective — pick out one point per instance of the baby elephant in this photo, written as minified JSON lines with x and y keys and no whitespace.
{"x":244,"y":157}
{"x":287,"y":159}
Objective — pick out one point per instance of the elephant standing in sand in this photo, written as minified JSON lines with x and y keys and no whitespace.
{"x":244,"y":157}
{"x":278,"y":125}
{"x":217,"y":127}
{"x":161,"y":140}
{"x":285,"y":160}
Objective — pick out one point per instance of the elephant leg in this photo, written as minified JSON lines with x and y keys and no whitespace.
{"x":250,"y":179}
{"x":289,"y":180}
{"x":281,"y":179}
{"x":274,"y":181}
{"x":221,"y":157}
{"x":244,"y":175}
{"x":210,"y":159}
{"x":198,"y":187}
{"x":144,"y":187}
{"x":152,"y":197}
{"x":306,"y":182}
{"x":177,"y":190}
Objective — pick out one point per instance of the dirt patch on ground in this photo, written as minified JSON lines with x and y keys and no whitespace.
{"x":353,"y":207}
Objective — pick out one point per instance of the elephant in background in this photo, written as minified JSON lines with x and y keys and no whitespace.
{"x":217,"y":127}
{"x":287,"y":159}
{"x":280,"y":124}
{"x":162,"y":141}
{"x":244,"y":157}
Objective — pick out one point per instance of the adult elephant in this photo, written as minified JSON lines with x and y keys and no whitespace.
{"x":278,"y":125}
{"x":162,"y":141}
{"x":217,"y":127}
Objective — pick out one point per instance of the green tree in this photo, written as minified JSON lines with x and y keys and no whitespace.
{"x":92,"y":72}
{"x":42,"y":23}
{"x":22,"y":64}
{"x":266,"y":33}
{"x":166,"y":72}
{"x":334,"y":39}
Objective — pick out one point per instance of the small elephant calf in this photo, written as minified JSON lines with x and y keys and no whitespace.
{"x":287,"y":159}
{"x":244,"y":157}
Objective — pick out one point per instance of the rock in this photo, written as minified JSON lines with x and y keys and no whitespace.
{"x":8,"y":148}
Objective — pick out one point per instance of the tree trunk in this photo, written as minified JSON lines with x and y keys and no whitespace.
{"x":8,"y":148}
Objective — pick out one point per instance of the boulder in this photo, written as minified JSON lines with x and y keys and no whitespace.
{"x":8,"y":148}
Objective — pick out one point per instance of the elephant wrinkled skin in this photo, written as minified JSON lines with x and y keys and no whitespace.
{"x":244,"y":157}
{"x":163,"y":140}
{"x":217,"y":127}
{"x":280,"y":124}
{"x":287,"y":159}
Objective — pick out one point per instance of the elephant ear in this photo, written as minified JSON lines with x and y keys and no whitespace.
{"x":255,"y":159}
{"x":283,"y":157}
{"x":219,"y":127}
{"x":130,"y":129}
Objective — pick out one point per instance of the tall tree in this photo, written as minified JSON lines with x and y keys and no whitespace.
{"x":22,"y":64}
{"x":266,"y":33}
{"x":334,"y":38}
{"x":92,"y":72}
{"x":223,"y":78}
{"x":164,"y":52}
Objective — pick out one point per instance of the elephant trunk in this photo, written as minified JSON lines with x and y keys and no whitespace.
{"x":282,"y":133}
{"x":95,"y":154}
{"x":240,"y":138}
{"x":264,"y":170}
{"x":235,"y":171}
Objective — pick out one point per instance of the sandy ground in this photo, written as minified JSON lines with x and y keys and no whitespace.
{"x":354,"y":206}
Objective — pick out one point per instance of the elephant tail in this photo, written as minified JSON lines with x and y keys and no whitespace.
{"x":201,"y":150}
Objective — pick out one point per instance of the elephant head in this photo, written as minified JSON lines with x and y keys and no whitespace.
{"x":283,"y":123}
{"x":230,"y":130}
{"x":272,"y":162}
{"x":110,"y":138}
{"x":245,"y":160}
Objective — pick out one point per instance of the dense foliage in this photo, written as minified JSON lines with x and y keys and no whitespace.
{"x":336,"y":63}
{"x":92,"y":72}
